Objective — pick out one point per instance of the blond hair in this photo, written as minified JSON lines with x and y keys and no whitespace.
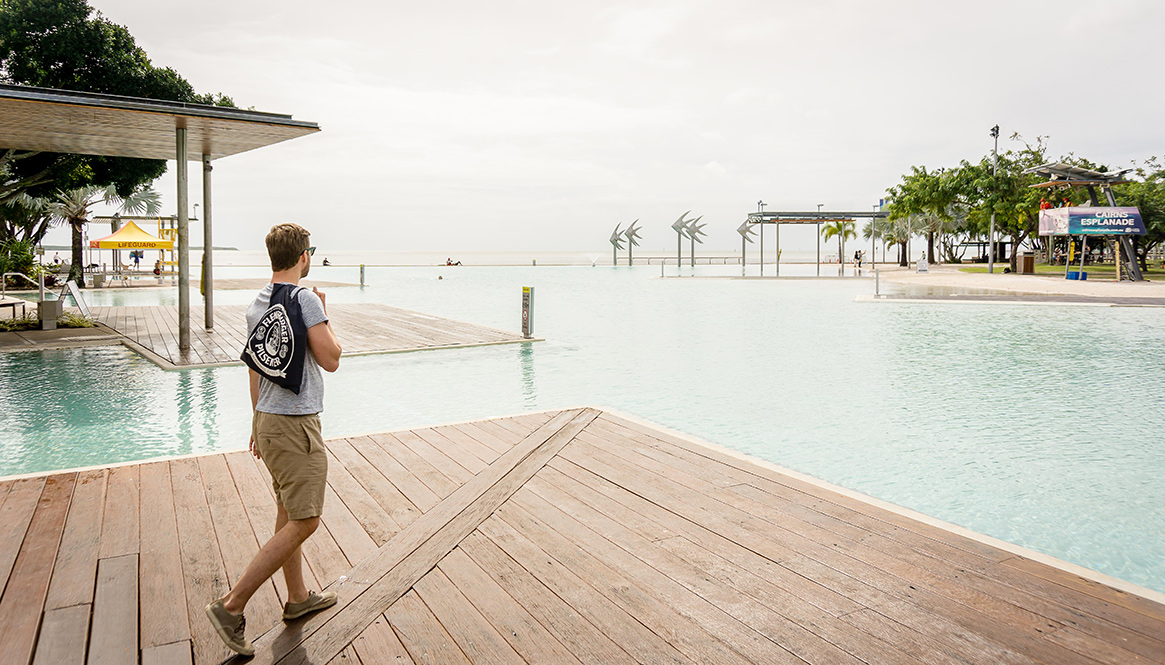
{"x":285,"y":243}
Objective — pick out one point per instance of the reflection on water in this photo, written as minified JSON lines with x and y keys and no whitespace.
{"x":526,"y":361}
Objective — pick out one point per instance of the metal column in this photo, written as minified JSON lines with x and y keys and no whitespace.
{"x":183,"y":242}
{"x":207,"y":243}
{"x":777,"y":272}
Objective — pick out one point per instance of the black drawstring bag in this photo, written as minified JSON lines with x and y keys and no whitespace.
{"x":276,"y":346}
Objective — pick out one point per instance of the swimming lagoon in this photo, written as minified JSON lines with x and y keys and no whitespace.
{"x":1039,"y":425}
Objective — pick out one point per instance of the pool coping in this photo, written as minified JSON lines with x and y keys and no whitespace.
{"x":1019,"y":550}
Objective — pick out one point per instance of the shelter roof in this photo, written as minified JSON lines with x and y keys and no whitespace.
{"x":51,"y":120}
{"x":777,"y":217}
{"x":131,"y":236}
{"x":1060,"y":175}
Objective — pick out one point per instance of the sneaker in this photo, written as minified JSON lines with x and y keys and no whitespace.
{"x":314,"y":603}
{"x":230,"y":627}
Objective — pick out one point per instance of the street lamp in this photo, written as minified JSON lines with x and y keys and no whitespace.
{"x":873,"y":237}
{"x":995,"y":190}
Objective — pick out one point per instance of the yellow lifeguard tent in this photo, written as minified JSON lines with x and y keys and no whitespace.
{"x":131,"y":236}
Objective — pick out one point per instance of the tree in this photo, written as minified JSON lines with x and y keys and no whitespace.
{"x":65,"y":44}
{"x":1147,"y":194}
{"x":842,"y":229}
{"x":72,"y":207}
{"x":929,"y":197}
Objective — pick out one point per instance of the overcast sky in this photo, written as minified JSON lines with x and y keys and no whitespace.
{"x":521,"y":124}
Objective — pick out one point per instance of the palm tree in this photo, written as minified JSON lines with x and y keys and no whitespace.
{"x":843,"y":229}
{"x":72,"y":207}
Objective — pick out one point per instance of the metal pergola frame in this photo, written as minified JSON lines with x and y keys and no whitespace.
{"x":813,"y":217}
{"x":1061,"y":175}
{"x":64,"y":121}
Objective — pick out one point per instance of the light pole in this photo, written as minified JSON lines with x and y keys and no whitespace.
{"x":995,"y":190}
{"x":761,"y":207}
{"x":819,"y":239}
{"x":873,"y":237}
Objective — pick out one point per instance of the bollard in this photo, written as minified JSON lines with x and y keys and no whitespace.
{"x":877,"y":283}
{"x":361,"y":274}
{"x":527,"y":312}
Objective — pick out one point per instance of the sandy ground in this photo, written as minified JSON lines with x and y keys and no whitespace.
{"x":948,"y":279}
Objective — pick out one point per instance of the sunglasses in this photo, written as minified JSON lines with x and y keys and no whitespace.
{"x":311,"y":251}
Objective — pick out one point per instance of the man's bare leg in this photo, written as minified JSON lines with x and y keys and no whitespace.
{"x":270,"y":558}
{"x":293,"y":566}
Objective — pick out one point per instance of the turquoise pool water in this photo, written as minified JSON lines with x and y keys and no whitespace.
{"x":1039,"y":425}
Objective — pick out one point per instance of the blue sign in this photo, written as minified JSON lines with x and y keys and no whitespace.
{"x":1105,"y":221}
{"x":1091,"y":221}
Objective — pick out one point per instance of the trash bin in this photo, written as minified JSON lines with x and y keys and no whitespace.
{"x":1076,"y":274}
{"x":1027,"y":263}
{"x":49,"y":311}
{"x":98,"y":280}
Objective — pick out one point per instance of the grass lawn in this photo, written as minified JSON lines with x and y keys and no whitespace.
{"x":1102,"y":270}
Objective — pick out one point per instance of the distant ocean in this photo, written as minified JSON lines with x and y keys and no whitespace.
{"x":509,"y":258}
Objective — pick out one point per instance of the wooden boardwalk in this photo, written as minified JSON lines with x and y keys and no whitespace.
{"x":568,"y":537}
{"x":363,"y":328}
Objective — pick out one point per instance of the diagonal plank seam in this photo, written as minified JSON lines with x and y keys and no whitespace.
{"x":377,"y":582}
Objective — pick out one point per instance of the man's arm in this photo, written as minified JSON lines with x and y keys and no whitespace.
{"x":254,"y":388}
{"x":321,"y":339}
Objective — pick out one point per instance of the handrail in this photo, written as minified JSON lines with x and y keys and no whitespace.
{"x":4,"y":282}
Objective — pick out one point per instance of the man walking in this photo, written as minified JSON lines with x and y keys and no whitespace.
{"x":290,"y":341}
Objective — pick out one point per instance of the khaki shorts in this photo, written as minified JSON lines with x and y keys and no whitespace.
{"x":293,"y":450}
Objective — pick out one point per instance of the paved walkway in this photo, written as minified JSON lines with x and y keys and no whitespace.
{"x":561,"y":537}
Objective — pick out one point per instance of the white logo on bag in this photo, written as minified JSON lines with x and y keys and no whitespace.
{"x":271,"y":346}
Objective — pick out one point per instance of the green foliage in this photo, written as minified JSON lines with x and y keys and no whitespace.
{"x":26,"y":322}
{"x":17,"y":256}
{"x":74,"y":320}
{"x":65,"y":44}
{"x":1147,"y":194}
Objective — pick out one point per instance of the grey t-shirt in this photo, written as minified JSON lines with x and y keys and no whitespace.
{"x":274,"y":398}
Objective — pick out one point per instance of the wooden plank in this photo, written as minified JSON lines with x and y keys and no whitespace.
{"x":478,"y":639}
{"x":76,"y":566}
{"x":933,"y":555}
{"x":353,"y":540}
{"x":164,"y":617}
{"x":115,"y":612}
{"x":586,"y":642}
{"x":1107,"y":594}
{"x":454,"y":471}
{"x":439,"y":483}
{"x":401,"y":478}
{"x":346,"y":657}
{"x":236,"y":540}
{"x":24,"y":596}
{"x":797,"y":626}
{"x":379,"y":581}
{"x":647,"y":519}
{"x":202,"y":564}
{"x":525,"y":635}
{"x":15,"y":516}
{"x":610,"y":619}
{"x":176,"y":653}
{"x":471,"y":430}
{"x":63,"y":635}
{"x":689,"y":623}
{"x":379,"y":644}
{"x":1014,"y":600}
{"x":421,"y":634}
{"x":681,"y":500}
{"x":119,"y":524}
{"x":391,"y":500}
{"x":502,"y":433}
{"x":465,"y":450}
{"x":373,"y":518}
{"x":835,"y":593}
